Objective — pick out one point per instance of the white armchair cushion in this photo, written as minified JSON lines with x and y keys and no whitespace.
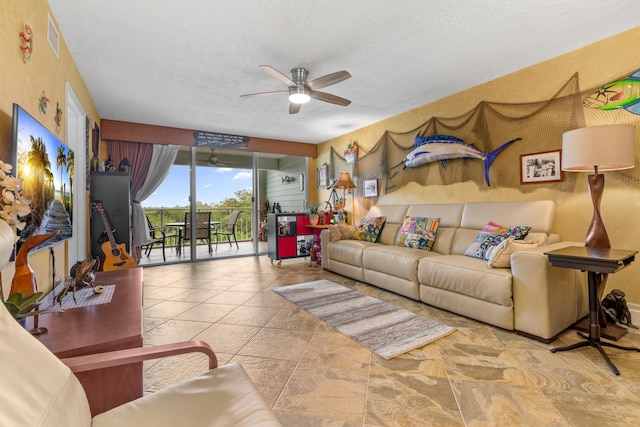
{"x":37,"y":388}
{"x":224,"y":396}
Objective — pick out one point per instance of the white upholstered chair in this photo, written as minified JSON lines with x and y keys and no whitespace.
{"x":38,"y":389}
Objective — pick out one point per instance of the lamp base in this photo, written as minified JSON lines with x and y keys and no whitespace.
{"x":597,"y":236}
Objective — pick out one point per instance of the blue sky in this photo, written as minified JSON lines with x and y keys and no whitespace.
{"x":28,"y":126}
{"x":213,"y":185}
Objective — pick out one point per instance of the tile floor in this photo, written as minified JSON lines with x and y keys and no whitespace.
{"x":313,"y":376}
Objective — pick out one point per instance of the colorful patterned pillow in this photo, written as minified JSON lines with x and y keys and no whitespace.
{"x":369,"y":229}
{"x":494,"y":239}
{"x":488,"y":229}
{"x":418,"y":232}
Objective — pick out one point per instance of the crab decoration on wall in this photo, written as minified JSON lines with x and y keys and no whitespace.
{"x":43,"y":103}
{"x":26,"y":43}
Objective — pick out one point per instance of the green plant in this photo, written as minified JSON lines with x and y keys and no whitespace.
{"x":313,"y":208}
{"x":21,"y":307}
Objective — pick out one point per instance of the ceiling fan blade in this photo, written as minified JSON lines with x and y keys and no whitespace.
{"x":277,"y":75}
{"x":328,"y":80}
{"x":294,"y":108}
{"x":327,"y":97}
{"x":274,"y":92}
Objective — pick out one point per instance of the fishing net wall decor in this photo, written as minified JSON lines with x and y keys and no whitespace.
{"x":487,"y":126}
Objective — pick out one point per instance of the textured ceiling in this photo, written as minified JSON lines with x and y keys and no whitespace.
{"x":185,"y":64}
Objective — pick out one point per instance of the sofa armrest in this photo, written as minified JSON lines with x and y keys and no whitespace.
{"x":109,"y":359}
{"x":325,"y":238}
{"x":546,"y":299}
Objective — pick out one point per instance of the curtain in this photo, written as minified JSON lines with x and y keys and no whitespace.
{"x":161,"y":160}
{"x":139,"y":156}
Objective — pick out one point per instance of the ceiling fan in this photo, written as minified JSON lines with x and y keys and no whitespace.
{"x":300,"y":91}
{"x":214,"y":161}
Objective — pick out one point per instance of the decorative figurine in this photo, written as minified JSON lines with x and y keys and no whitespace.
{"x":43,"y":101}
{"x":58,"y":117}
{"x":26,"y":43}
{"x":108,"y":165}
{"x":81,"y":275}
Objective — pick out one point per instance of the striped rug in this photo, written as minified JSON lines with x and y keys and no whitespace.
{"x":383,"y":328}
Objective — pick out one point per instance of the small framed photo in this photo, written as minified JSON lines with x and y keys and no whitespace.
{"x":322,"y":176}
{"x":541,"y":167}
{"x":370,"y":187}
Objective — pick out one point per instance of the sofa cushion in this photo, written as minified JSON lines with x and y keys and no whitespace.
{"x":418,"y":232}
{"x":467,"y":276}
{"x":449,"y":213}
{"x":536,"y":213}
{"x":341,"y":231}
{"x":500,"y":256}
{"x":348,"y":251}
{"x":442,"y":245}
{"x":369,"y":229}
{"x":395,"y":215}
{"x":397,"y":261}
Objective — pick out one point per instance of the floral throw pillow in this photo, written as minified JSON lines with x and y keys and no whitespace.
{"x":418,"y":232}
{"x":369,"y":229}
{"x":488,"y":229}
{"x":494,"y":239}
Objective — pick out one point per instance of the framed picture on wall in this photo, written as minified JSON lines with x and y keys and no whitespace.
{"x":370,"y":187}
{"x":541,"y":167}
{"x":322,"y":175}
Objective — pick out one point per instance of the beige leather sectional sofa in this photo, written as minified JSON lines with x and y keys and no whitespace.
{"x":531,"y":297}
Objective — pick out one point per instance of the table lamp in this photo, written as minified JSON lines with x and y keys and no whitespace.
{"x":598,"y":149}
{"x":344,"y":183}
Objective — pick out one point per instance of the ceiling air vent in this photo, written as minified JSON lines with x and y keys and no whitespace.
{"x":53,"y":37}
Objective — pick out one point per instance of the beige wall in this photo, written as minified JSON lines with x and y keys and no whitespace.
{"x":596,"y":64}
{"x":23,"y":83}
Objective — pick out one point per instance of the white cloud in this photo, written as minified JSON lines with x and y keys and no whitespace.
{"x":243,"y":175}
{"x":223,"y":170}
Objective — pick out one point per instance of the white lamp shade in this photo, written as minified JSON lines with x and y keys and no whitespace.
{"x":607,"y":148}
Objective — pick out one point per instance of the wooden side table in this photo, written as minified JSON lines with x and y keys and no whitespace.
{"x":595,"y":261}
{"x":116,"y":325}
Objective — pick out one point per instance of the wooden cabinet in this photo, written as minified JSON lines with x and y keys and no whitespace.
{"x":116,"y":325}
{"x":288,"y":236}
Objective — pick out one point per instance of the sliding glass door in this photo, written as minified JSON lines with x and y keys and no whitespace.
{"x":229,"y":194}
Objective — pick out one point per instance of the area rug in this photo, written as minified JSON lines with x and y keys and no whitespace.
{"x":383,"y":328}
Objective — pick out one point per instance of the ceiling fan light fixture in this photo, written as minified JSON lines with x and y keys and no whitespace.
{"x":299,"y":95}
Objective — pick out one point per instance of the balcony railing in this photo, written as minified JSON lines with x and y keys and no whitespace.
{"x":160,"y":217}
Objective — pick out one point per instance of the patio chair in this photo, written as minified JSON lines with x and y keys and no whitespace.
{"x":40,"y":389}
{"x":203,"y":228}
{"x":156,"y":236}
{"x":228,"y":230}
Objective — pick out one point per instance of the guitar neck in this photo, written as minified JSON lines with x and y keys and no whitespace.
{"x":112,"y":240}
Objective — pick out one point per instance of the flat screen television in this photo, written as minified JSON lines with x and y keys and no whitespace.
{"x":46,"y":166}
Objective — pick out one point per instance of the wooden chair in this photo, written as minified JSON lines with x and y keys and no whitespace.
{"x":228,"y":230}
{"x":40,"y":389}
{"x":203,"y":228}
{"x":156,"y":236}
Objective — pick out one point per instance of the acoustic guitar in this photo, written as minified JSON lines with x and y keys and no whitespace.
{"x":113,"y":255}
